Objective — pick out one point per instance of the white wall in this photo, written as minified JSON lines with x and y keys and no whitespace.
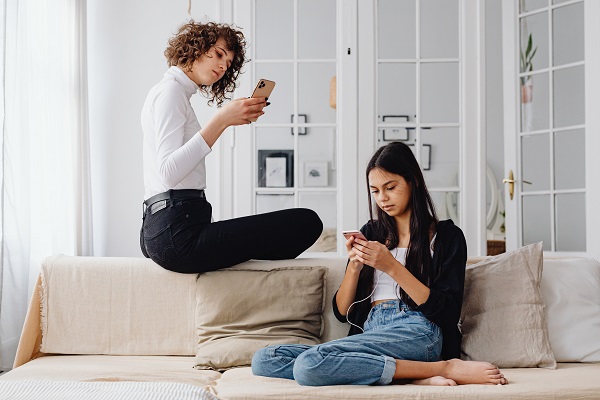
{"x":126,"y":41}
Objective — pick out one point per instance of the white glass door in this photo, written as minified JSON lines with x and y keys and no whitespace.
{"x":415,"y":86}
{"x":290,"y":156}
{"x":418,"y":84}
{"x":545,"y":98}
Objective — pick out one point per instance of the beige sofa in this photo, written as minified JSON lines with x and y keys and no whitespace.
{"x":110,"y":321}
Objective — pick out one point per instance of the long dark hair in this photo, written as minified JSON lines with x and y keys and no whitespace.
{"x":194,"y":39}
{"x":397,"y":158}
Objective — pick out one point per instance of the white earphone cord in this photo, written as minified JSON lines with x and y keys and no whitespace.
{"x":360,"y":301}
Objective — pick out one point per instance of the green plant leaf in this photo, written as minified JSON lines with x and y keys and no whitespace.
{"x":532,"y":54}
{"x":529,"y":45}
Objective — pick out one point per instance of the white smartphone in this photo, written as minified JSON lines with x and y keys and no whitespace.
{"x":263,"y":88}
{"x":355,"y":233}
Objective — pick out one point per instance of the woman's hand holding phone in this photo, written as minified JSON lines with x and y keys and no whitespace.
{"x":263,"y":90}
{"x":241,"y":111}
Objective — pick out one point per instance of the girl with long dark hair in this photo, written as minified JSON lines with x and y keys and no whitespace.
{"x":402,"y":294}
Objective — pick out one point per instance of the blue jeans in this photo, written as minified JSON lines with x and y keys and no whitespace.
{"x":391,"y":332}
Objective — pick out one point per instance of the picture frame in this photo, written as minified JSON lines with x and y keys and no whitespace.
{"x":275,"y":168}
{"x":315,"y":173}
{"x":302,"y":119}
{"x":395,"y":134}
{"x":425,"y":155}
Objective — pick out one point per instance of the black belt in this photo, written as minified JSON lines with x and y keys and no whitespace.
{"x":151,"y":203}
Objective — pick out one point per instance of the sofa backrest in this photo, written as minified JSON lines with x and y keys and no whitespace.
{"x":131,"y":306}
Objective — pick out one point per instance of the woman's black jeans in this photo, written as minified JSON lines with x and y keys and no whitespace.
{"x":181,"y":237}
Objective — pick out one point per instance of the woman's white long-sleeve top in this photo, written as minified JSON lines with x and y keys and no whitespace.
{"x":174,"y":151}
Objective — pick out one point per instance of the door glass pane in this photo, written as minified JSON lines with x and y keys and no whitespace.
{"x":313,"y":91}
{"x":567,"y":34}
{"x":267,"y":44}
{"x":570,"y":222}
{"x":534,"y":27}
{"x":569,"y":92}
{"x":282,"y":98}
{"x":535,"y":160}
{"x":273,"y":202}
{"x":439,"y":28}
{"x":536,"y":220}
{"x":325,"y":205}
{"x":316,"y":28}
{"x":440,"y":156}
{"x":439,"y":92}
{"x":569,"y":160}
{"x":396,"y":19}
{"x":274,"y":138}
{"x":274,"y":157}
{"x":534,"y":103}
{"x":396,"y":89}
{"x":529,"y":5}
{"x":317,"y":163}
{"x":446,"y":205}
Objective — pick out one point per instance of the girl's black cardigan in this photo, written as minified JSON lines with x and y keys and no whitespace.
{"x":446,"y":292}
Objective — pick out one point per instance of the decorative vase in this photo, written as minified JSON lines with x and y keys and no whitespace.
{"x":527,"y":105}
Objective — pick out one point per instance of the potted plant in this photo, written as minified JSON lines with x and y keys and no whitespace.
{"x":527,"y":66}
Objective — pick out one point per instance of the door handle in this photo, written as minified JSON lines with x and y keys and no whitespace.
{"x":511,"y":183}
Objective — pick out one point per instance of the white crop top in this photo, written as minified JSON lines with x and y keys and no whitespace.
{"x":385,"y":286}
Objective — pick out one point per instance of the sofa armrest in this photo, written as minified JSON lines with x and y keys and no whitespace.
{"x":116,"y":306}
{"x":31,"y":336}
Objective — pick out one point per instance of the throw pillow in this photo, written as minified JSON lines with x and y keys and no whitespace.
{"x":502,"y":319}
{"x":571,"y":292}
{"x":241,"y":311}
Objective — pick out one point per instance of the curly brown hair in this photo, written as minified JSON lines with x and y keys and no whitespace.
{"x":194,"y":39}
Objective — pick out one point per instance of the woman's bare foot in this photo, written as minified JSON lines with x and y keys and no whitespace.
{"x":465,"y":372}
{"x":435,"y":381}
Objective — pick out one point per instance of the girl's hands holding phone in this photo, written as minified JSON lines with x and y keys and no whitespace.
{"x":374,"y":254}
{"x":354,"y":263}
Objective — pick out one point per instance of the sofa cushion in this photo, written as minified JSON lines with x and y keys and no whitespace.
{"x":241,"y":311}
{"x":102,"y":368}
{"x":502,"y":319}
{"x":571,"y":292}
{"x":568,"y":381}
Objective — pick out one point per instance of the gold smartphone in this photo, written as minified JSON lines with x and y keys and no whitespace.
{"x":263,"y":88}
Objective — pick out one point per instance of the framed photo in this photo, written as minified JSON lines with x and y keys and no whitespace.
{"x":316,"y":173}
{"x":275,"y":168}
{"x":302,"y":119}
{"x":392,"y":134}
{"x":425,"y":156}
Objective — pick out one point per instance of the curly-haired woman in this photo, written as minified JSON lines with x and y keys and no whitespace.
{"x":177,"y":230}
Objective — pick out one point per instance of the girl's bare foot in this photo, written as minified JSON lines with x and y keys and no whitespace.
{"x":435,"y":381}
{"x":465,"y":372}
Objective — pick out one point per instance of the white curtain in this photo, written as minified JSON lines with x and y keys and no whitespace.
{"x":45,"y":204}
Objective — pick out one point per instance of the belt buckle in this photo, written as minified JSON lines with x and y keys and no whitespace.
{"x":159,"y":205}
